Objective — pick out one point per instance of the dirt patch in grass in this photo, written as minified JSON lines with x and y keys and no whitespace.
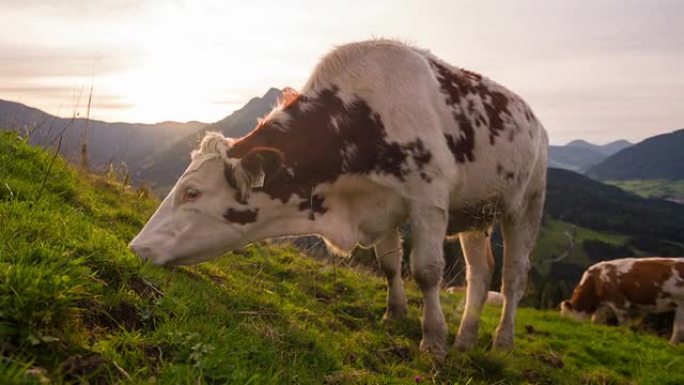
{"x":144,"y":288}
{"x":91,"y":366}
{"x":122,"y":315}
{"x":551,"y":359}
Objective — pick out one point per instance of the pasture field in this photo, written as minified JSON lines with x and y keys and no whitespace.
{"x":77,"y":307}
{"x":653,"y":188}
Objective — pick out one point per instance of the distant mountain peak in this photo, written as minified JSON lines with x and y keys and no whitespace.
{"x":619,"y":142}
{"x":581,"y":143}
{"x":273,"y":93}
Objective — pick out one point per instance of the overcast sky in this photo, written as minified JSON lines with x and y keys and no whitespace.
{"x":597,"y":70}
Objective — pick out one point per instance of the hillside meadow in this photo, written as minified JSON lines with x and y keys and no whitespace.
{"x":77,"y":307}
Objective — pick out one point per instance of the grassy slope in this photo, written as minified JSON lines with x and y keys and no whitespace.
{"x":553,"y":242}
{"x":76,"y":306}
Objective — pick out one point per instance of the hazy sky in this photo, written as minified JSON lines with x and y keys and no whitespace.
{"x":598,"y":70}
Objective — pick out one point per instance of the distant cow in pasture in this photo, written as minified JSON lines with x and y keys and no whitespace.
{"x":623,"y":286}
{"x":381,"y":134}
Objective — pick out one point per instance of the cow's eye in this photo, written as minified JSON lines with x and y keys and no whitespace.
{"x":191,"y":194}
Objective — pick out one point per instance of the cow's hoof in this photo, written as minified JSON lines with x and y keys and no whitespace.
{"x":503,"y":341}
{"x":436,"y":349}
{"x":395,"y":312}
{"x":464,"y":342}
{"x":435,"y":342}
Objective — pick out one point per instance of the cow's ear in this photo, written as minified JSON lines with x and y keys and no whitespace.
{"x":260,"y":164}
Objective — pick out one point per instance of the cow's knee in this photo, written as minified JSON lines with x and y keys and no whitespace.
{"x":428,"y":275}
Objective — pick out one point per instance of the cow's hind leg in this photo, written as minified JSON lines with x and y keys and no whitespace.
{"x":388,"y":251}
{"x":519,"y":233}
{"x":480,"y":264}
{"x":678,"y":326}
{"x":428,"y":229}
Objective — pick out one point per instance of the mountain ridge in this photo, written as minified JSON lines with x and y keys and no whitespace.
{"x":106,"y":142}
{"x":163,"y":167}
{"x":657,"y":157}
{"x":579,"y":155}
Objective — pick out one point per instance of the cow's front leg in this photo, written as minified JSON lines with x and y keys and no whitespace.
{"x":678,"y":326}
{"x":428,"y":228}
{"x":388,"y":251}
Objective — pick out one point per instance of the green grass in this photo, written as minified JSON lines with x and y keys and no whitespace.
{"x":77,"y":307}
{"x":656,"y":188}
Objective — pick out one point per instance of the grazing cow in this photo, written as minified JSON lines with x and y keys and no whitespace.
{"x":618,"y":287}
{"x":382,"y":133}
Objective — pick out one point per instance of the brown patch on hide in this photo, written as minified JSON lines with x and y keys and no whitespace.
{"x":643,"y":283}
{"x":460,"y":87}
{"x":241,"y":216}
{"x":315,"y":147}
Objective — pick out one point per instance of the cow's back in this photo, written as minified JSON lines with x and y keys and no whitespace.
{"x":655,"y":284}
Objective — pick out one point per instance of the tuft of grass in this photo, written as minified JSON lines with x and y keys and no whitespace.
{"x":77,"y":307}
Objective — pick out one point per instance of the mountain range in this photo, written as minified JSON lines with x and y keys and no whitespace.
{"x":658,"y":157}
{"x":166,"y":164}
{"x":152,"y":153}
{"x":580,"y":155}
{"x":128,"y":143}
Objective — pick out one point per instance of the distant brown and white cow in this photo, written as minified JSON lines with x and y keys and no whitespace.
{"x":382,"y":133}
{"x":621,"y":286}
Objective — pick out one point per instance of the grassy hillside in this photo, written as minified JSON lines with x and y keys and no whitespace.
{"x":77,"y":307}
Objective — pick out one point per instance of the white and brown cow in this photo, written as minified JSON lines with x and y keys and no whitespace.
{"x":622,"y":286}
{"x":382,"y":133}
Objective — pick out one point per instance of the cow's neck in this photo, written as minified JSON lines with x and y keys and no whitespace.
{"x":327,"y":145}
{"x":321,"y":138}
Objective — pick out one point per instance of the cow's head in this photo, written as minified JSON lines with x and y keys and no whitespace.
{"x":569,"y":311}
{"x":207,"y":212}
